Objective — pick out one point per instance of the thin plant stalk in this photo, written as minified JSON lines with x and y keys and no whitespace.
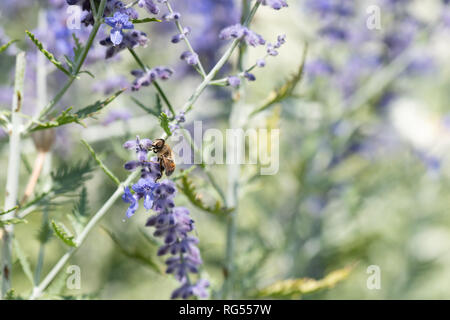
{"x":234,"y":169}
{"x":12,"y":180}
{"x":186,"y":40}
{"x":38,"y":290}
{"x":78,"y":65}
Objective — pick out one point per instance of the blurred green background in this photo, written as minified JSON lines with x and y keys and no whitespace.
{"x":356,"y":187}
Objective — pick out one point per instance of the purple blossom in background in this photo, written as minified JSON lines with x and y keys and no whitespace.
{"x":111,"y":84}
{"x":238,"y":31}
{"x":115,"y":115}
{"x":274,"y":4}
{"x":318,"y":68}
{"x":145,"y":78}
{"x":149,"y":5}
{"x":172,"y":224}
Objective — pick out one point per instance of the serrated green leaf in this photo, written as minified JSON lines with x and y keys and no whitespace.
{"x":81,"y":208}
{"x":45,"y":233}
{"x":286,"y":89}
{"x":77,"y":49}
{"x":164,"y":123}
{"x":62,"y":233}
{"x":6,"y":45}
{"x":298,"y":287}
{"x":12,"y":221}
{"x":47,"y":54}
{"x":23,"y":260}
{"x":67,"y":116}
{"x":188,"y":189}
{"x":11,"y":295}
{"x":145,"y":20}
{"x":93,"y":109}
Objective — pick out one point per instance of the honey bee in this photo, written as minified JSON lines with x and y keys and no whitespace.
{"x":165,"y":156}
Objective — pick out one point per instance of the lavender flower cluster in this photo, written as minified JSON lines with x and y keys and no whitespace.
{"x":271,"y":50}
{"x":119,"y":17}
{"x":172,"y":223}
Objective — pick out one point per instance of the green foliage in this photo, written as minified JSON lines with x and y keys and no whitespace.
{"x":145,"y":20}
{"x":9,"y":210}
{"x":62,"y":233}
{"x":23,"y":260}
{"x":67,"y":116}
{"x":47,"y":54}
{"x":164,"y":123}
{"x":155,"y":113}
{"x":66,"y":178}
{"x":133,"y":253}
{"x":285,"y":90}
{"x":12,"y":221}
{"x":11,"y":295}
{"x":6,"y":45}
{"x":187,"y":187}
{"x":80,"y":212}
{"x":295,"y":288}
{"x":101,"y":164}
{"x":45,"y":233}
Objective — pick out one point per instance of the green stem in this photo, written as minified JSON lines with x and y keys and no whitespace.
{"x":234,"y":171}
{"x":12,"y":180}
{"x":155,"y":83}
{"x":78,"y":64}
{"x":38,"y":290}
{"x":186,"y":40}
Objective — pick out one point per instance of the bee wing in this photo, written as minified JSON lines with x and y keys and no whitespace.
{"x":169,"y":166}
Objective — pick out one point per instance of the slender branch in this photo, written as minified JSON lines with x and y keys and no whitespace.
{"x":78,"y":64}
{"x":205,"y":168}
{"x":37,"y":291}
{"x":155,"y":83}
{"x":234,"y":171}
{"x":211,"y":75}
{"x":186,"y":40}
{"x":12,"y":180}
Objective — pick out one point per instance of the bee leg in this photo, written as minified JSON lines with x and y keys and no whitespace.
{"x":161,"y":166}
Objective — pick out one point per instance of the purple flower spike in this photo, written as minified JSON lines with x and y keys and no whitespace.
{"x":144,"y":79}
{"x":190,"y":58}
{"x":171,"y":223}
{"x":238,"y":31}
